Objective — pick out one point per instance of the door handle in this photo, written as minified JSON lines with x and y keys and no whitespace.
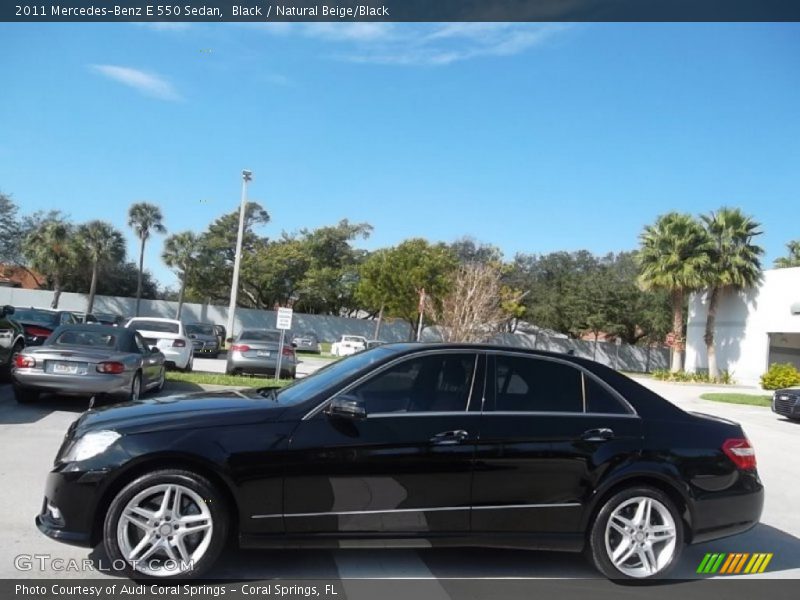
{"x":449,"y":438}
{"x":598,"y":435}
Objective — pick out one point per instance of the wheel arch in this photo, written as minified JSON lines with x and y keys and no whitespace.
{"x":160,"y":463}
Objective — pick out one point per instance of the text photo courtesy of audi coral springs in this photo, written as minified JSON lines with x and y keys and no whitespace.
{"x":459,"y":307}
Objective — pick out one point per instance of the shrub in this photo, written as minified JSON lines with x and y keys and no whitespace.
{"x":780,"y":375}
{"x":684,"y":377}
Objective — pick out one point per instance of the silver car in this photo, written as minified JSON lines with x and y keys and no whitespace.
{"x":88,"y":360}
{"x":256,"y":351}
{"x":306,"y":342}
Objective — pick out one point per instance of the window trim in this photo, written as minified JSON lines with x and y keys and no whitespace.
{"x":584,"y":372}
{"x":396,"y":361}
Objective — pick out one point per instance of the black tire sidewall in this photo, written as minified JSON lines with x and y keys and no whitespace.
{"x":596,"y":546}
{"x":199,"y":484}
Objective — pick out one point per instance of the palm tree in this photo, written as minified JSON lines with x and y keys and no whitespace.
{"x":144,"y":218}
{"x":793,"y":260}
{"x":674,"y":257}
{"x":102,"y":244}
{"x":734,"y":266}
{"x":180,"y":253}
{"x":50,"y":249}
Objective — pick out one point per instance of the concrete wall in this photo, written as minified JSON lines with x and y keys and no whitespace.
{"x":744,"y":324}
{"x":327,"y":328}
{"x":624,"y":357}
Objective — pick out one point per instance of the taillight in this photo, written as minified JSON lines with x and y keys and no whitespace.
{"x":111,"y":367}
{"x":24,"y":362}
{"x":740,"y":452}
{"x":240,"y":348}
{"x":288,"y":351}
{"x":37,"y":332}
{"x":179,"y":344}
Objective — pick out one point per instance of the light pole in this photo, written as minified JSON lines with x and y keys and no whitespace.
{"x":246,"y":176}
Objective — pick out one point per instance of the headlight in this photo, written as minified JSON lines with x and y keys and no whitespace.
{"x":89,"y":445}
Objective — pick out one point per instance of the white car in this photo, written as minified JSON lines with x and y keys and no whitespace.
{"x":169,"y":336}
{"x":349,"y":344}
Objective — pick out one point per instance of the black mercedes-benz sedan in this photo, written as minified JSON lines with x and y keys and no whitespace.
{"x":407,"y":443}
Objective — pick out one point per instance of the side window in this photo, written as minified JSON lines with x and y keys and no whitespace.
{"x":433,"y":383}
{"x":66,"y":319}
{"x":536,"y":385}
{"x":600,"y":400}
{"x":141,"y":347}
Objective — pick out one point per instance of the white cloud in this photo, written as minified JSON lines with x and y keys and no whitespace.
{"x":413,"y":44}
{"x":146,"y":83}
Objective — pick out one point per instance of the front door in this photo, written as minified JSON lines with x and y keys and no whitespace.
{"x":404,"y":469}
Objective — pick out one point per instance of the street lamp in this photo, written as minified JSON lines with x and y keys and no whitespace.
{"x":246,"y":177}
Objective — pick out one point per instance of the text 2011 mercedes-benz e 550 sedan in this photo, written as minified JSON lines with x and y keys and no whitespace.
{"x":436,"y":444}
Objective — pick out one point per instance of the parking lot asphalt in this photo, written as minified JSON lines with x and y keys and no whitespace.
{"x":31,"y":436}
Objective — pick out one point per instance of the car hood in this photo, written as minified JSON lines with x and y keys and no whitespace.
{"x":182,"y":411}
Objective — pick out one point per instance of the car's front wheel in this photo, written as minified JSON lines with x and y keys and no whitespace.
{"x":25,"y":395}
{"x":168,"y":524}
{"x":637,"y":534}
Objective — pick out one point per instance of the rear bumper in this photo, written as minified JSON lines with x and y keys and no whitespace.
{"x":728,"y":513}
{"x":177,"y":356}
{"x":90,"y":384}
{"x":259,"y":364}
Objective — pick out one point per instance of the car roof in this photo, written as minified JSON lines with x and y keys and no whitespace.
{"x":157,"y":319}
{"x":50,"y":310}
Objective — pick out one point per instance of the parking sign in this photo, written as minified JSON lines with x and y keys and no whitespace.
{"x":284,"y":318}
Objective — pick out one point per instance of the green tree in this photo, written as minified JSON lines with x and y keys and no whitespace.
{"x":467,"y":250}
{"x":50,"y":249}
{"x":101,"y":243}
{"x":393,"y":278}
{"x":793,"y":259}
{"x":674,"y":257}
{"x":10,"y":234}
{"x":144,"y":218}
{"x":180,"y":254}
{"x":734,"y":265}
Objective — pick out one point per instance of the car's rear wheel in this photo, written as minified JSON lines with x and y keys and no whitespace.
{"x":169,"y":524}
{"x":135,"y":390}
{"x":637,"y":534}
{"x":189,"y":364}
{"x":162,"y":378}
{"x":25,"y":395}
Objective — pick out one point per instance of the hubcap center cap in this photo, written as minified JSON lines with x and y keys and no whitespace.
{"x":165,"y":529}
{"x":639,"y":537}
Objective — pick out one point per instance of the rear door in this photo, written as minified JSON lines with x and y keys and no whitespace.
{"x":549,"y":431}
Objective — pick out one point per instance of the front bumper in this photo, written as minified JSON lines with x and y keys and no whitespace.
{"x":786,"y":404}
{"x":89,"y":384}
{"x":722,"y":514}
{"x":74,"y":495}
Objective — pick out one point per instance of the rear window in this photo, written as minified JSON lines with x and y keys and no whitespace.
{"x":73,"y":337}
{"x":200,"y":329}
{"x":32,"y":315}
{"x":352,"y":338}
{"x":260,"y":336}
{"x":157,"y":326}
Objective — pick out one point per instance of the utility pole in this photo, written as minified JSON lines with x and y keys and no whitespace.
{"x":246,"y":177}
{"x":421,"y":313}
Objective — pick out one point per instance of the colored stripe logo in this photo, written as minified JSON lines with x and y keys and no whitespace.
{"x":734,"y":563}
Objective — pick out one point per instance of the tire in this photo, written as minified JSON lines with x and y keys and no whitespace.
{"x":25,"y":395}
{"x":198,"y":499}
{"x":658,"y":540}
{"x":135,"y":392}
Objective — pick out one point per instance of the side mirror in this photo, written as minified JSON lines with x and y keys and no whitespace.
{"x":229,"y":340}
{"x":193,"y":336}
{"x":294,"y":344}
{"x":6,"y":310}
{"x":154,"y":349}
{"x":347,"y":407}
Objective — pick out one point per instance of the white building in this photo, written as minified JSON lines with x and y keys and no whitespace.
{"x":754,"y":329}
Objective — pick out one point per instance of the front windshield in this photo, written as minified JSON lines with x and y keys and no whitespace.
{"x":198,"y":329}
{"x":308,"y":387}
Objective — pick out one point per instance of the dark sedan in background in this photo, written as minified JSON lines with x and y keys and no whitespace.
{"x":204,"y":339}
{"x":408,"y":444}
{"x":88,"y":360}
{"x":39,"y":323}
{"x":12,"y":339}
{"x":786,"y":402}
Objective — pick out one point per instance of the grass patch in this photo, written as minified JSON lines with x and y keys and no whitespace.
{"x":229,"y":380}
{"x":325,"y":347}
{"x":748,"y":399}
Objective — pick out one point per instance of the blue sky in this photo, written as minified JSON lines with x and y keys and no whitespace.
{"x":531,"y":137}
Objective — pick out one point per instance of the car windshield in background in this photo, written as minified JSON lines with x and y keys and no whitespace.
{"x":200,"y":329}
{"x":310,"y":386}
{"x":305,"y":336}
{"x":74,"y":337}
{"x":106,"y":318}
{"x":260,"y":336}
{"x":157,"y":326}
{"x":352,"y":338}
{"x":32,"y":315}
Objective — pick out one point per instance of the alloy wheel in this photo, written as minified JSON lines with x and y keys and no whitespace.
{"x":164,"y":530}
{"x":640,"y":537}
